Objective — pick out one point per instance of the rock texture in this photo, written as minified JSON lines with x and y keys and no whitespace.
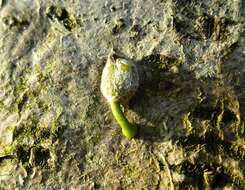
{"x":56,"y":129}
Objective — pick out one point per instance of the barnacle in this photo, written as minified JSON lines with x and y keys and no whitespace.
{"x":119,"y":82}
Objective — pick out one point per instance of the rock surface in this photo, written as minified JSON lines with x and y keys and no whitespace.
{"x":56,"y":129}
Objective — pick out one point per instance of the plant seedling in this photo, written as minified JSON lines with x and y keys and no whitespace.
{"x":119,"y":82}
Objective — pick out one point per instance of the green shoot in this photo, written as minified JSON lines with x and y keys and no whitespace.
{"x":128,"y":129}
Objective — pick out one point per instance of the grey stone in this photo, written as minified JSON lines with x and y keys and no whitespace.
{"x":57,"y":131}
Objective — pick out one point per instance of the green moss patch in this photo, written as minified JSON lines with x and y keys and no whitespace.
{"x":63,"y":16}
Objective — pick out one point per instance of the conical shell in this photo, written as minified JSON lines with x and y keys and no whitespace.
{"x":120,"y":79}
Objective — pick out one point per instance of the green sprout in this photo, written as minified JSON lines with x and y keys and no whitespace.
{"x":128,"y":129}
{"x":119,"y":82}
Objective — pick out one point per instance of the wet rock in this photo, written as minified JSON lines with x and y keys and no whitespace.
{"x":56,"y":129}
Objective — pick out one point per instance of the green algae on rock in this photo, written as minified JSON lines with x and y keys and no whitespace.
{"x":56,"y":132}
